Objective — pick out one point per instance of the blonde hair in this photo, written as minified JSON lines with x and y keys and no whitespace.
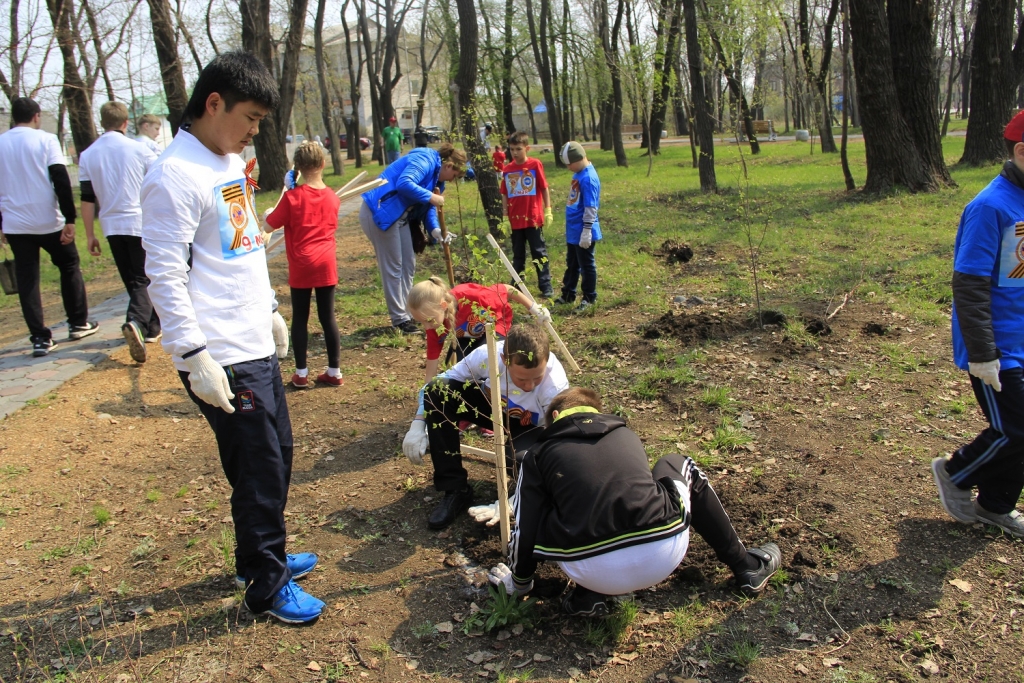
{"x":309,"y":156}
{"x":147,"y":118}
{"x":429,"y":294}
{"x":113,"y":115}
{"x":456,"y":158}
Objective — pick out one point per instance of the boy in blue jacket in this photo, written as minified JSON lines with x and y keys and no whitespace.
{"x":988,"y":342}
{"x":582,"y":230}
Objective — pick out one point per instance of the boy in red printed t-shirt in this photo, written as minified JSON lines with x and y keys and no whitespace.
{"x":498,"y":158}
{"x":527,"y":203}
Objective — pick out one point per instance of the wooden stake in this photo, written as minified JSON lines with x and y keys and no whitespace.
{"x":359,"y":176}
{"x":444,"y":243}
{"x":526,"y":292}
{"x":499,"y":433}
{"x":360,"y":189}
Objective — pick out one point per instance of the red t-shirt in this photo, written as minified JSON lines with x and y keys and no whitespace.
{"x":524,"y":185}
{"x":498,"y":158}
{"x":310,"y":219}
{"x":476,"y":306}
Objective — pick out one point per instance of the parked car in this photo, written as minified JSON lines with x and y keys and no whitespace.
{"x":364,"y":143}
{"x":434,"y":133}
{"x":297,"y":139}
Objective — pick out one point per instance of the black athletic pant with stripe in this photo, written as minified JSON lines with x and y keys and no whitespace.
{"x":994,"y":461}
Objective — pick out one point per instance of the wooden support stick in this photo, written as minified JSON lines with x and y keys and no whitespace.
{"x":444,"y":243}
{"x":526,"y":292}
{"x":359,"y":176}
{"x":478,"y":453}
{"x":360,"y":189}
{"x":499,"y":432}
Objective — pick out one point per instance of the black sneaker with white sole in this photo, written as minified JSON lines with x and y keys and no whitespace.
{"x":769,"y":560}
{"x":42,"y":347}
{"x":82,"y":331}
{"x":583,"y":602}
{"x":136,"y":341}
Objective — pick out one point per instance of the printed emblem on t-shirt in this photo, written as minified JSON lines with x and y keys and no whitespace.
{"x":1011,"y":266}
{"x":476,"y":323}
{"x":524,"y":416}
{"x":239,"y":229}
{"x":246,"y":401}
{"x":521,"y":183}
{"x":574,"y":192}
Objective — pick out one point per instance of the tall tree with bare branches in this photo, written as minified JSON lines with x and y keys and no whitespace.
{"x":75,"y":93}
{"x":171,"y":73}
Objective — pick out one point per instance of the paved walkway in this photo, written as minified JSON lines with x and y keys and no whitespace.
{"x":24,"y":378}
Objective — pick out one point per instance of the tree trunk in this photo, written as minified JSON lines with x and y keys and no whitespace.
{"x":851,"y":185}
{"x":465,"y":79}
{"x":733,"y":81}
{"x":325,"y":96}
{"x":892,"y":157}
{"x":663,"y":67}
{"x":170,"y":67}
{"x":703,"y":123}
{"x":544,"y":56}
{"x":74,"y":92}
{"x":507,"y":57}
{"x":355,"y":81}
{"x":256,"y":38}
{"x":819,"y":80}
{"x":993,"y":78}
{"x":912,"y":44}
{"x":609,"y":43}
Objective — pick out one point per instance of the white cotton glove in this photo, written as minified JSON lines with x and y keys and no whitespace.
{"x":489,"y":514}
{"x":987,"y":372}
{"x":502,"y":576}
{"x":586,"y":238}
{"x":540,"y":314}
{"x":446,"y":239}
{"x":209,"y":381}
{"x":415,"y":443}
{"x":280,"y":330}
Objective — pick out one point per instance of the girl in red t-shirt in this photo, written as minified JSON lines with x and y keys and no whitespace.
{"x":466,"y":309}
{"x":309,"y":215}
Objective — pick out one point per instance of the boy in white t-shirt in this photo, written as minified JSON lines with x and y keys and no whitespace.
{"x":530,"y":377}
{"x":37,"y":211}
{"x":110,"y":173}
{"x":149,"y":127}
{"x":206,"y":260}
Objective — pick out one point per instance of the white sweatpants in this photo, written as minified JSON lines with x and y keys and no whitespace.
{"x":629,"y":569}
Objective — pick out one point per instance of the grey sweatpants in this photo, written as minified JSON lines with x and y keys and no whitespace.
{"x":396,"y":261}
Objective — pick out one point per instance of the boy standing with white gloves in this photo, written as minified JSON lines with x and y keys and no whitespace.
{"x":988,"y":342}
{"x":206,"y":260}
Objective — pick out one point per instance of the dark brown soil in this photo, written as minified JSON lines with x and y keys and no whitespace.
{"x":880,"y":584}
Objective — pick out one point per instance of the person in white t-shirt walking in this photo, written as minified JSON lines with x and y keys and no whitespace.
{"x":206,"y":260}
{"x":149,"y":127}
{"x":37,"y":211}
{"x":110,"y":173}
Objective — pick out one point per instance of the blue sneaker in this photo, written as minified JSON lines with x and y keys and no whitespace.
{"x":292,"y":605}
{"x":300,"y":564}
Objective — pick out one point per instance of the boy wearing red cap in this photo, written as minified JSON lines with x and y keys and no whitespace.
{"x":988,"y":342}
{"x":392,"y":136}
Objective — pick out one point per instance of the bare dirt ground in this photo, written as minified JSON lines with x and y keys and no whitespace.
{"x":115,"y":521}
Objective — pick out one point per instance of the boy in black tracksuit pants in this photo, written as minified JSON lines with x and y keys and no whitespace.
{"x":588,"y":500}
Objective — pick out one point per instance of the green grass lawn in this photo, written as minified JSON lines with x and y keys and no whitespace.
{"x":820,"y":241}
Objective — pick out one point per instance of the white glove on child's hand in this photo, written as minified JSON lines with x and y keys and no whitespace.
{"x":540,"y":314}
{"x":280,"y":330}
{"x":209,"y":381}
{"x":502,"y":576}
{"x":489,"y":514}
{"x":586,"y":238}
{"x":987,"y":372}
{"x":415,"y":443}
{"x":442,"y":239}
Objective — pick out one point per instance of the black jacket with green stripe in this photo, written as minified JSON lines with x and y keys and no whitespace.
{"x":585,"y":488}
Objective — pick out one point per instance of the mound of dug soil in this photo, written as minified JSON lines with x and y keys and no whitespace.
{"x":701,"y":327}
{"x":675,"y":252}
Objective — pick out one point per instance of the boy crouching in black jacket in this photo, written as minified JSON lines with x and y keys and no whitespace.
{"x":588,"y":500}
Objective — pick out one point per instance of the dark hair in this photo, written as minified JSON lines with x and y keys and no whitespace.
{"x":24,"y":109}
{"x":571,"y":398}
{"x":236,"y":77}
{"x":1010,"y":144}
{"x":526,"y":346}
{"x":520,"y":137}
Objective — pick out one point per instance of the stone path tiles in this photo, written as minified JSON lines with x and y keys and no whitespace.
{"x":24,"y":378}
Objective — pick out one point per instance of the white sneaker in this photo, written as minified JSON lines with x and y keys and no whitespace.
{"x":1012,"y":522}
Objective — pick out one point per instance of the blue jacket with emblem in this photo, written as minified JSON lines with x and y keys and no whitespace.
{"x":411,"y":181}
